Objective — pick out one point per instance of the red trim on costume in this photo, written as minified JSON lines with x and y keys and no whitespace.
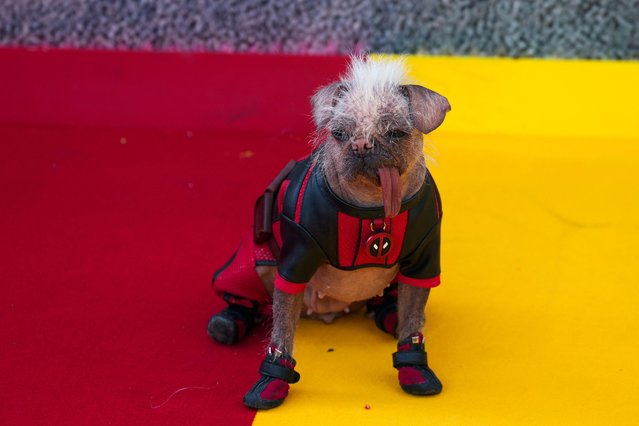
{"x":419,"y":282}
{"x":300,"y":196}
{"x":288,"y":287}
{"x":281,"y":194}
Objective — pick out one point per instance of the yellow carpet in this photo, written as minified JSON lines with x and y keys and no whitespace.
{"x":537,"y":318}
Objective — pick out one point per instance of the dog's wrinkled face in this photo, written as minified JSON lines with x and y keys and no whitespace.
{"x":372,"y":124}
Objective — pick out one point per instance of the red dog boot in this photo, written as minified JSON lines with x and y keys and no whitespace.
{"x":277,"y":370}
{"x":384,"y":310}
{"x":234,"y":322}
{"x":414,"y":375}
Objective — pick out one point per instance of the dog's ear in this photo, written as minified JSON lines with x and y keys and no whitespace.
{"x":428,"y":109}
{"x":323,"y":101}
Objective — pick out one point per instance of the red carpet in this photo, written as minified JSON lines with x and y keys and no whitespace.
{"x":110,"y":233}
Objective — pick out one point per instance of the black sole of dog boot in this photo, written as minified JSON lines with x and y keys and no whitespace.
{"x":255,"y":402}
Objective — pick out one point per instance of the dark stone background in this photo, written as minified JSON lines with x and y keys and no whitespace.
{"x":533,"y":28}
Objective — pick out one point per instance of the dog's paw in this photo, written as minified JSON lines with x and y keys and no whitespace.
{"x":277,"y":370}
{"x":383,"y":309}
{"x":231,"y":325}
{"x":415,"y":377}
{"x":266,"y":393}
{"x":386,"y":318}
{"x":419,"y":380}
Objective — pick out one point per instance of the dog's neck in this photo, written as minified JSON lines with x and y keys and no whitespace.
{"x":361,"y":192}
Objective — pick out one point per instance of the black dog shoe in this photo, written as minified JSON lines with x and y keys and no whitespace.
{"x":410,"y":360}
{"x":277,"y":370}
{"x":384,"y":310}
{"x":232,"y":324}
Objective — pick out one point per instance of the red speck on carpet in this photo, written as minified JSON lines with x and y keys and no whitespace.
{"x":125,"y":181}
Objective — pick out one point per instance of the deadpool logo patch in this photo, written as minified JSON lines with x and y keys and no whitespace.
{"x":379,"y":244}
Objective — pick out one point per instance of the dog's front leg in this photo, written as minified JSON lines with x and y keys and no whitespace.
{"x":410,"y":359}
{"x":286,"y":314}
{"x":278,"y":368}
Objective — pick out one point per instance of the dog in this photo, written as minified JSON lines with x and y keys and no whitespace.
{"x":356,"y":223}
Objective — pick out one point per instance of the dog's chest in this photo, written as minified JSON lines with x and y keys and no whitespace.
{"x":352,"y":286}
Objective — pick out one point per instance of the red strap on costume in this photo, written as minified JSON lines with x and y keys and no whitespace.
{"x":300,"y":196}
{"x":286,"y":286}
{"x":419,"y":282}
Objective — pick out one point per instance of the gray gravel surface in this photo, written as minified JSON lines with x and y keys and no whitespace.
{"x":545,"y":28}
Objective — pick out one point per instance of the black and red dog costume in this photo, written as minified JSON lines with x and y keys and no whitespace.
{"x":312,"y":247}
{"x":300,"y":224}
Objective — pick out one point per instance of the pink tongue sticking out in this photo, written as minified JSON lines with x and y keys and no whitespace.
{"x":391,"y":190}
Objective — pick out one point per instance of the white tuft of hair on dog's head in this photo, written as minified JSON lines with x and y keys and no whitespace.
{"x":367,"y":91}
{"x":369,"y":78}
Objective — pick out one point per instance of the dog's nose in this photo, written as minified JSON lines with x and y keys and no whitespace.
{"x":361,"y":147}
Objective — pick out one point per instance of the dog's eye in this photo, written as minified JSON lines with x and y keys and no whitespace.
{"x":340,"y":135}
{"x":396,"y":134}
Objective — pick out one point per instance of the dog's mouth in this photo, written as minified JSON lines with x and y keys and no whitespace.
{"x":383,"y":171}
{"x":391,"y":190}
